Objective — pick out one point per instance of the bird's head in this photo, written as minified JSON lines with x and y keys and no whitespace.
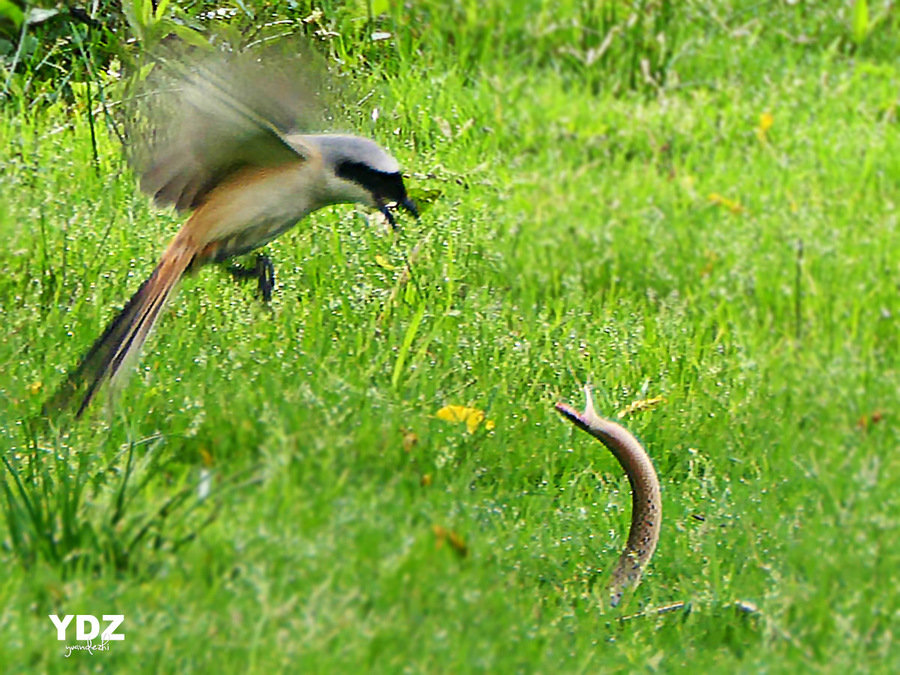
{"x":359,"y":170}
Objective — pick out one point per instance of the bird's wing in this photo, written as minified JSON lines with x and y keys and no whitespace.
{"x":199,"y":119}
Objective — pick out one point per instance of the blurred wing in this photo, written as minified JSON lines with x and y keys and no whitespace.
{"x":199,"y":118}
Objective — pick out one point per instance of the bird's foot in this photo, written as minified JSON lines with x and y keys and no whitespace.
{"x":263,"y":271}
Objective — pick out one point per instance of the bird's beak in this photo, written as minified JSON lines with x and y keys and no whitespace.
{"x":386,"y":212}
{"x":410,"y":206}
{"x":406,"y":204}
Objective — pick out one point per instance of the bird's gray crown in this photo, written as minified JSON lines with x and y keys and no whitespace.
{"x":363,"y":163}
{"x":337,"y":150}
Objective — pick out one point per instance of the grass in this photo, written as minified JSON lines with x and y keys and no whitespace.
{"x":658,"y":240}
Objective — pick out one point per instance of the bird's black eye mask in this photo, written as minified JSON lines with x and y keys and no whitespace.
{"x":385,"y":187}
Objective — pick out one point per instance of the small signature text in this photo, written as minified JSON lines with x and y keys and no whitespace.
{"x":90,"y":648}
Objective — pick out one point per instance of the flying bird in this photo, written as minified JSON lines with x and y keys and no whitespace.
{"x":227,"y":139}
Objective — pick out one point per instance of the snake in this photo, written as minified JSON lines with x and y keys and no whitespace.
{"x":646,"y":502}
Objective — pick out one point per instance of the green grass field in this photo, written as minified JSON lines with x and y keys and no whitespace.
{"x":717,"y":227}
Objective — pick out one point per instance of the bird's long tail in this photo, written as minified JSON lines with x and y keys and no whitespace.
{"x":123,"y":338}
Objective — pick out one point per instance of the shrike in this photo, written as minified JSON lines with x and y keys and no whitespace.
{"x":228,"y":147}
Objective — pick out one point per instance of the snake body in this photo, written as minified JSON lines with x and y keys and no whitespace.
{"x":646,"y":505}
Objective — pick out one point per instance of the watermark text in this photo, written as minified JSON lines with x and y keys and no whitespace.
{"x":87,"y":628}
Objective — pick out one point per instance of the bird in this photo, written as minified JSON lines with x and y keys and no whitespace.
{"x":646,"y":502}
{"x":222,"y":137}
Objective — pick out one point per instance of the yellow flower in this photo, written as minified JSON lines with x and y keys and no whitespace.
{"x":459,"y":413}
{"x":766,"y":120}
